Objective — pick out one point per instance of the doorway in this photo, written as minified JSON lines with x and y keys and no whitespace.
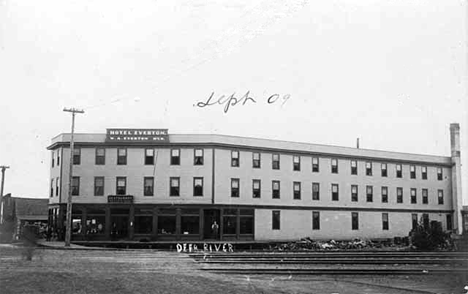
{"x":119,"y":224}
{"x":211,"y":227}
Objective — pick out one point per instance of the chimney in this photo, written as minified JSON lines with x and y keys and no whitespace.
{"x":457,"y":200}
{"x":357,"y":143}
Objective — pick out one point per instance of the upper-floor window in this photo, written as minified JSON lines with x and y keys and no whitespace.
{"x":384,"y":194}
{"x":369,"y":194}
{"x":198,"y":186}
{"x":256,"y":188}
{"x":425,"y":196}
{"x":175,"y":156}
{"x":354,"y":193}
{"x":98,"y":186}
{"x":354,"y":221}
{"x":235,"y":158}
{"x":334,"y":166}
{"x":385,"y":221}
{"x":383,"y":167}
{"x":315,"y":164}
{"x":175,"y":186}
{"x":121,"y":156}
{"x":399,"y":195}
{"x":58,"y":157}
{"x":276,"y":189}
{"x":100,"y":158}
{"x":76,"y":156}
{"x":51,"y":187}
{"x":335,"y":191}
{"x":57,"y":186}
{"x":53,"y":158}
{"x":149,"y":156}
{"x":354,"y":170}
{"x":369,"y":168}
{"x":315,"y":191}
{"x":412,"y":171}
{"x":439,"y":174}
{"x":440,"y":196}
{"x":275,"y":161}
{"x":121,"y":186}
{"x":235,"y":187}
{"x":198,"y":157}
{"x":296,"y":162}
{"x":398,"y":171}
{"x":424,"y":172}
{"x":297,"y":190}
{"x":76,"y":186}
{"x":413,"y":196}
{"x":148,"y":186}
{"x":256,"y":160}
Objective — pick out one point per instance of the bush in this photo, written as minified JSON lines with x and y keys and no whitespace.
{"x":431,"y":237}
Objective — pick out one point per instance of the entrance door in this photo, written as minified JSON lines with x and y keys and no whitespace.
{"x":211,"y":227}
{"x":119,"y":224}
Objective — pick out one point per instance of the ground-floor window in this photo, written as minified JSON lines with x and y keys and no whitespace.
{"x":167,"y":221}
{"x":275,"y":219}
{"x":246,"y":217}
{"x":95,"y":221}
{"x":229,"y":221}
{"x":190,"y":221}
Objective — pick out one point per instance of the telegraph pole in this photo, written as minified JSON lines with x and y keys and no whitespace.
{"x":70,"y":177}
{"x":3,"y":167}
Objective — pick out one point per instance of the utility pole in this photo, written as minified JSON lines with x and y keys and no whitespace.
{"x":3,"y":167}
{"x":70,"y":177}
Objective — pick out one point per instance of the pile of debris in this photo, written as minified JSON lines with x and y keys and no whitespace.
{"x":355,"y":244}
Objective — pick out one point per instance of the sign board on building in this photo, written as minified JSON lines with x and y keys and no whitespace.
{"x":137,"y":135}
{"x":127,"y":199}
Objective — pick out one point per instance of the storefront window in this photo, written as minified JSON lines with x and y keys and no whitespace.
{"x":190,"y":224}
{"x":143,"y":224}
{"x":95,"y":224}
{"x":166,"y":224}
{"x":229,"y":225}
{"x":246,"y":225}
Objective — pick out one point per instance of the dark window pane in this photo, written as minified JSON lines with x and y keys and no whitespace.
{"x":229,"y":224}
{"x":166,"y":225}
{"x":190,"y":224}
{"x":143,"y":224}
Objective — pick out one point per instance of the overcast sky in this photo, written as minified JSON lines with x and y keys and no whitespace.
{"x":391,"y":72}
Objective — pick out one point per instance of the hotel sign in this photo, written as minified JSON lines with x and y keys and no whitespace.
{"x":137,"y":135}
{"x":127,"y":199}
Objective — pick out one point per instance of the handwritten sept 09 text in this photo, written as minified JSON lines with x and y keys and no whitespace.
{"x":231,"y":100}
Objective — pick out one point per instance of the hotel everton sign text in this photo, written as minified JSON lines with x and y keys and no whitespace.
{"x":137,"y":135}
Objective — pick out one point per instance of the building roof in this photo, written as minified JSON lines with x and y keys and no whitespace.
{"x":256,"y":143}
{"x":31,"y":208}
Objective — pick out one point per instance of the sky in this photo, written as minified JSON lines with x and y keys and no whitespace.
{"x":392,"y":72}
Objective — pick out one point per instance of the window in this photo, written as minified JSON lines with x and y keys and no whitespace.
{"x":425,"y":218}
{"x":275,"y":161}
{"x":166,"y":221}
{"x":246,"y":221}
{"x":384,"y":194}
{"x":354,"y":221}
{"x":354,"y":193}
{"x":53,"y":158}
{"x":412,"y":171}
{"x":414,"y":221}
{"x":143,"y":221}
{"x":385,"y":221}
{"x":369,"y":194}
{"x":296,"y":162}
{"x":398,"y":171}
{"x":95,"y":221}
{"x":256,"y":188}
{"x":149,"y":156}
{"x":100,"y":156}
{"x":57,"y":186}
{"x":121,"y":156}
{"x":198,"y":186}
{"x":58,"y":157}
{"x":449,"y":222}
{"x":121,"y":186}
{"x":369,"y":168}
{"x":190,"y":221}
{"x":76,"y":186}
{"x":315,"y":191}
{"x":297,"y":190}
{"x":334,"y":166}
{"x":98,"y":186}
{"x":235,"y":187}
{"x":399,"y":195}
{"x":148,"y":186}
{"x":439,"y":174}
{"x":425,"y":196}
{"x":235,"y":158}
{"x":229,"y":221}
{"x":424,"y":172}
{"x":275,"y":219}
{"x":315,"y":220}
{"x":413,"y":196}
{"x":198,"y":157}
{"x":276,"y":189}
{"x":175,"y":186}
{"x":440,"y":196}
{"x":315,"y":164}
{"x":335,"y":192}
{"x":52,"y":188}
{"x":383,"y":167}
{"x":256,"y":160}
{"x":175,"y":156}
{"x":353,"y":167}
{"x":76,"y":156}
